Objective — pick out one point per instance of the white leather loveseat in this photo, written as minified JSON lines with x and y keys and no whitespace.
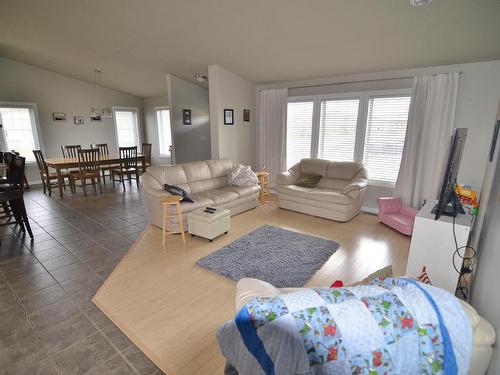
{"x":205,"y":181}
{"x":337,"y":196}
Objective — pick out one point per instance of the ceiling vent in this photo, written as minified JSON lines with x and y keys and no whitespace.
{"x":418,"y":3}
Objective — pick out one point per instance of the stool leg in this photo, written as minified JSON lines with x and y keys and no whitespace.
{"x":165,"y":216}
{"x":181,"y":222}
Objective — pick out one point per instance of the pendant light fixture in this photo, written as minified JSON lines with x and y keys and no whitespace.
{"x":98,"y":111}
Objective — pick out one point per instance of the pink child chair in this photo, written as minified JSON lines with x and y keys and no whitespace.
{"x":392,"y":212}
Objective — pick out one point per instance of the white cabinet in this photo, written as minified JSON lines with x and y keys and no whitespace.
{"x":433,"y":246}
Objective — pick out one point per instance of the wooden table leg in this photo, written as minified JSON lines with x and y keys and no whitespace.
{"x":60,"y":182}
{"x":165,"y":217}
{"x":181,"y":222}
{"x":143,"y":164}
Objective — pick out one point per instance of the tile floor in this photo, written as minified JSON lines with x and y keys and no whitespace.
{"x":48,"y":323}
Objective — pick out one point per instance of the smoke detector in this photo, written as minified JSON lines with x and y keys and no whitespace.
{"x":418,"y":3}
{"x":200,"y":77}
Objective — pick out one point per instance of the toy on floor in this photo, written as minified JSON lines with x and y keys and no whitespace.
{"x":392,"y":212}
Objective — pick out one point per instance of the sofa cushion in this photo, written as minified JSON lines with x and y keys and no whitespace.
{"x":308,"y":180}
{"x":169,"y":174}
{"x":197,"y":171}
{"x":218,"y":196}
{"x":199,"y":202}
{"x":314,"y":166}
{"x":295,"y":190}
{"x":332,"y":184}
{"x":219,"y":167}
{"x":242,"y":191}
{"x":343,"y":170}
{"x":210,"y":184}
{"x":315,"y":194}
{"x":329,"y":196}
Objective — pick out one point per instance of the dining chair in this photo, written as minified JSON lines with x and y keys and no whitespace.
{"x":128,"y":166}
{"x":146,"y":152}
{"x":46,"y":176}
{"x":88,"y":169}
{"x":7,"y":159}
{"x":70,"y":151}
{"x":104,"y":152}
{"x":12,"y":194}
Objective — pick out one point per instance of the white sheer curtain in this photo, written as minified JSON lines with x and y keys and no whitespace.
{"x":430,"y":124}
{"x":272,"y":131}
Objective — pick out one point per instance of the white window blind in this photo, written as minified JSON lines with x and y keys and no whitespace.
{"x":386,"y":123}
{"x":337,"y":130}
{"x":127,"y":130}
{"x":19,"y":130}
{"x":299,"y":131}
{"x":164,"y":133}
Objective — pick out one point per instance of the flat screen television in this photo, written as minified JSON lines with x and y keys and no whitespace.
{"x":448,"y":203}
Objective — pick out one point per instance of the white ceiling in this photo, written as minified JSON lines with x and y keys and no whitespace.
{"x":136,"y":42}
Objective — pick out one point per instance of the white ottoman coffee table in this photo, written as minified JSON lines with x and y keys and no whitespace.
{"x":207,"y":225}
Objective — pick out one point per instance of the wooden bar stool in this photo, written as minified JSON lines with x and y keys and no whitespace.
{"x":172,"y":200}
{"x":265,"y":187}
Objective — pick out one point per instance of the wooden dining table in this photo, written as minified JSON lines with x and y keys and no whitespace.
{"x":67,"y":163}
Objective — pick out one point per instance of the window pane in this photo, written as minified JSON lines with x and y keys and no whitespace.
{"x":337,"y":130}
{"x":164,"y":134}
{"x":126,"y":127}
{"x":18,"y":128}
{"x":299,"y":132}
{"x":385,"y":136}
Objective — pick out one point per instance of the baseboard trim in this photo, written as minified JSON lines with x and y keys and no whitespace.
{"x":370,"y":210}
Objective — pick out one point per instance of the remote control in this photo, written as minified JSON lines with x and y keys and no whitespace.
{"x":211,"y":208}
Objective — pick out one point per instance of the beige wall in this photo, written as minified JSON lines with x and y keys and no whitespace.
{"x":191,"y":142}
{"x":54,"y":92}
{"x":228,"y":90}
{"x":150,"y":126}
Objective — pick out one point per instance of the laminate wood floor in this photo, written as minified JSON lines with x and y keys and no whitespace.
{"x":171,"y":308}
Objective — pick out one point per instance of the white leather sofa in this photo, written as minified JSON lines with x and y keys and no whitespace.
{"x":483,"y":336}
{"x":337,"y":196}
{"x":205,"y":181}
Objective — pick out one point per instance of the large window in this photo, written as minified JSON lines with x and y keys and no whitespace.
{"x":299,"y":131}
{"x":19,"y":132}
{"x":337,"y":129}
{"x":127,"y":126}
{"x":164,"y":131}
{"x":369,"y":127}
{"x":385,"y":136}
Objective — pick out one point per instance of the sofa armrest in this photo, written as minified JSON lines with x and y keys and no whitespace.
{"x":152,"y":188}
{"x":409,"y":211}
{"x":354,"y":187}
{"x":285,"y":178}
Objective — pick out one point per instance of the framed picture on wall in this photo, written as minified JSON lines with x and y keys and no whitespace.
{"x":95,"y":118}
{"x":228,"y":117}
{"x":58,"y":116}
{"x":186,"y":116}
{"x":246,"y":115}
{"x":78,"y":120}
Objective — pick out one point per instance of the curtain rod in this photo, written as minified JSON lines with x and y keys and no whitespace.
{"x":460,"y":73}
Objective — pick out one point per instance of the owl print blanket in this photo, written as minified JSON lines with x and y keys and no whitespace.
{"x":393,"y":326}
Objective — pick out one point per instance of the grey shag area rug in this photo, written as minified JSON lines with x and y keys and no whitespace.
{"x":279,"y":256}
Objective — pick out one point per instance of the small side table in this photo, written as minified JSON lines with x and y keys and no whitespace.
{"x":265,"y":186}
{"x":172,"y":200}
